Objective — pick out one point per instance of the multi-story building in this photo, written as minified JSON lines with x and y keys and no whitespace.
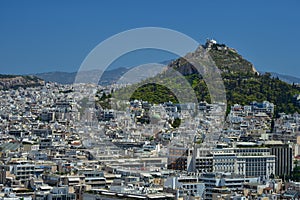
{"x":223,"y":183}
{"x":179,"y":158}
{"x":56,"y":193}
{"x":186,"y":186}
{"x":224,"y":161}
{"x":23,"y":171}
{"x":254,"y":162}
{"x":203,"y":160}
{"x":94,"y":178}
{"x":245,"y":161}
{"x":45,"y":143}
{"x":284,"y":159}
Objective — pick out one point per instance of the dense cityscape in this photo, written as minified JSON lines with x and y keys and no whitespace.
{"x":54,"y":148}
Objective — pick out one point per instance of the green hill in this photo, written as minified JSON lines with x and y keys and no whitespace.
{"x":242,"y":82}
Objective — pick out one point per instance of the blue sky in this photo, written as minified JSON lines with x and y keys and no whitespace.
{"x":41,"y":36}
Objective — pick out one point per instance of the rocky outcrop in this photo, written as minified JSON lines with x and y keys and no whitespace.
{"x":15,"y":81}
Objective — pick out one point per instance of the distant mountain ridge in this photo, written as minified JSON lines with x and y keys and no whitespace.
{"x":286,"y":78}
{"x":108,"y":77}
